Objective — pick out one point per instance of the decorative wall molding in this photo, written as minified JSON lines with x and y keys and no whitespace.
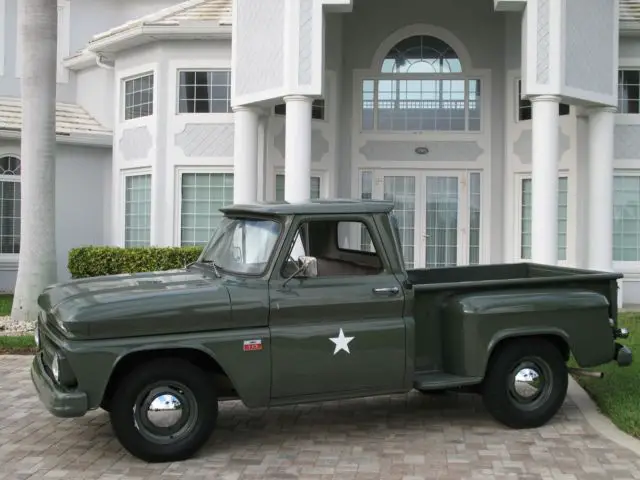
{"x":543,"y":42}
{"x":305,"y":47}
{"x":258,"y":27}
{"x":438,"y":151}
{"x":626,"y":142}
{"x":589,"y":35}
{"x":522,"y":147}
{"x":319,"y":144}
{"x":135,"y":143}
{"x":206,"y":139}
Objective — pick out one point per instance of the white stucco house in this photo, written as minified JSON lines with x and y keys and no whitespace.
{"x":504,"y":130}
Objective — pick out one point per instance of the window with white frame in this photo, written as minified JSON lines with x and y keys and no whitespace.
{"x":629,"y":91}
{"x":317,"y":109}
{"x":525,"y":218}
{"x":314,"y":185}
{"x":10,"y":196}
{"x":137,"y":210}
{"x":202,"y":196}
{"x":138,"y":96}
{"x":525,"y":107}
{"x":421,"y":87}
{"x":626,"y":217}
{"x":204,"y":91}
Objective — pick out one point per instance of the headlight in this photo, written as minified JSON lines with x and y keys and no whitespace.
{"x":55,"y":367}
{"x":36,"y":337}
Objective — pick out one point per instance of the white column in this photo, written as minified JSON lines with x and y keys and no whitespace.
{"x":600,"y":194}
{"x":245,"y":155}
{"x":297,"y":162}
{"x":544,"y":179}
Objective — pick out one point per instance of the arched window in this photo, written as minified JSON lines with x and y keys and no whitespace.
{"x":422,"y":54}
{"x":421,"y":86}
{"x":9,"y":204}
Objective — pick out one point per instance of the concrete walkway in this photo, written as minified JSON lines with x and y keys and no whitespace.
{"x":403,"y":437}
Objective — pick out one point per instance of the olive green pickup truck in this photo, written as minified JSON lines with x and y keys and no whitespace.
{"x":292,"y":303}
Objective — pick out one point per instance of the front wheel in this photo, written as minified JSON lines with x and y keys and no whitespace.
{"x":164,"y":410}
{"x":526,"y":383}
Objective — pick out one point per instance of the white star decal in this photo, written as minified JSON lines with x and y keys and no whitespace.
{"x":342,"y":342}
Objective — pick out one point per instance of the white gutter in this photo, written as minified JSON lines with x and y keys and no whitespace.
{"x":101,"y":64}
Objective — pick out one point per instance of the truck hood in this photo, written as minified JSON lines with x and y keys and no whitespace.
{"x":169,"y":302}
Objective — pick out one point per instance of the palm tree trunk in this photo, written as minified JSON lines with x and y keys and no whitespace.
{"x":37,"y":265}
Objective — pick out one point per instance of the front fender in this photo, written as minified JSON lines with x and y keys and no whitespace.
{"x":249,"y":371}
{"x":475,"y":323}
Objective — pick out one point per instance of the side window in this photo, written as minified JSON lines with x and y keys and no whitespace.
{"x":355,"y":236}
{"x":340,"y":248}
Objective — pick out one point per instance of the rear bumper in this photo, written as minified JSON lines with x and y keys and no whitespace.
{"x":623,"y":355}
{"x":61,"y":403}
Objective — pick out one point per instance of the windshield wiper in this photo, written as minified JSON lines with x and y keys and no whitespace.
{"x":213,"y":264}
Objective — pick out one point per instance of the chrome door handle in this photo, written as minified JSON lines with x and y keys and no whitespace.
{"x":386,"y":291}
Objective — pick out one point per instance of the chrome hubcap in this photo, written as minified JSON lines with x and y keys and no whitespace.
{"x":165,"y":413}
{"x":165,"y":410}
{"x":527,"y":383}
{"x":530,"y":383}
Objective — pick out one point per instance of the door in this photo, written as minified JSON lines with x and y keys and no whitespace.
{"x":342,"y":331}
{"x":438,"y":213}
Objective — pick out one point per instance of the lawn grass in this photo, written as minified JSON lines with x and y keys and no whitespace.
{"x":618,"y":393}
{"x":17,"y":345}
{"x":6,"y":301}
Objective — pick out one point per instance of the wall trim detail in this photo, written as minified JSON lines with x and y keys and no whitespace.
{"x":135,"y":143}
{"x":439,"y":151}
{"x":522,"y":147}
{"x":206,"y":139}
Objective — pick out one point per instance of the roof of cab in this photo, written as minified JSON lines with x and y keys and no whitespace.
{"x":320,"y":207}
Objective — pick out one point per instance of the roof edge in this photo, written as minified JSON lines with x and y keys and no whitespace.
{"x":144,"y":34}
{"x":100,"y":140}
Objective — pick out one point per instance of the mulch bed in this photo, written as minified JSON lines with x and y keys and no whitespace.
{"x":17,"y":351}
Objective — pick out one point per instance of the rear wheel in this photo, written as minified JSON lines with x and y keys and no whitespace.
{"x":526,"y":383}
{"x":164,"y":411}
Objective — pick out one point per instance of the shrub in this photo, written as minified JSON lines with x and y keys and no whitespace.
{"x":94,"y":261}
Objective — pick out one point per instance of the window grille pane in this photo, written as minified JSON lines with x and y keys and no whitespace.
{"x":138,"y":97}
{"x":204,"y":91}
{"x":203,"y":194}
{"x":137,"y":211}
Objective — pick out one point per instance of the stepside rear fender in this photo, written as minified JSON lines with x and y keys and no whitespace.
{"x":474,"y":324}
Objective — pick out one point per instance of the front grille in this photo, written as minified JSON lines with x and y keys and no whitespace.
{"x":47,"y":345}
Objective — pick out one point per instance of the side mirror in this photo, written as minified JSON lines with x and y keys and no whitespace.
{"x":308,"y":267}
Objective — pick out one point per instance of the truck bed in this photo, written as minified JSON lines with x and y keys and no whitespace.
{"x":434,"y":288}
{"x":503,"y":275}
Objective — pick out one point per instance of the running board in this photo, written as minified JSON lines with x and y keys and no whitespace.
{"x":440,"y":380}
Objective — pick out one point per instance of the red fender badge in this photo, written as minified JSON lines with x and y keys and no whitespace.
{"x":251,"y":345}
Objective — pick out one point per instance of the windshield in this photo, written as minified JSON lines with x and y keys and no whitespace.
{"x":242,"y":245}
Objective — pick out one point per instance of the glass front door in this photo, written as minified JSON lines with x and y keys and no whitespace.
{"x":438,"y":214}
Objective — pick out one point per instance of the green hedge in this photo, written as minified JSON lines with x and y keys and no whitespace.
{"x":96,"y":261}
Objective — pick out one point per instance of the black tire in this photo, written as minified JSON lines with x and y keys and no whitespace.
{"x":185,"y":382}
{"x":531,"y":404}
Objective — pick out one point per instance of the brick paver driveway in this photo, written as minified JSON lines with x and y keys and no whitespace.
{"x":400,"y":437}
